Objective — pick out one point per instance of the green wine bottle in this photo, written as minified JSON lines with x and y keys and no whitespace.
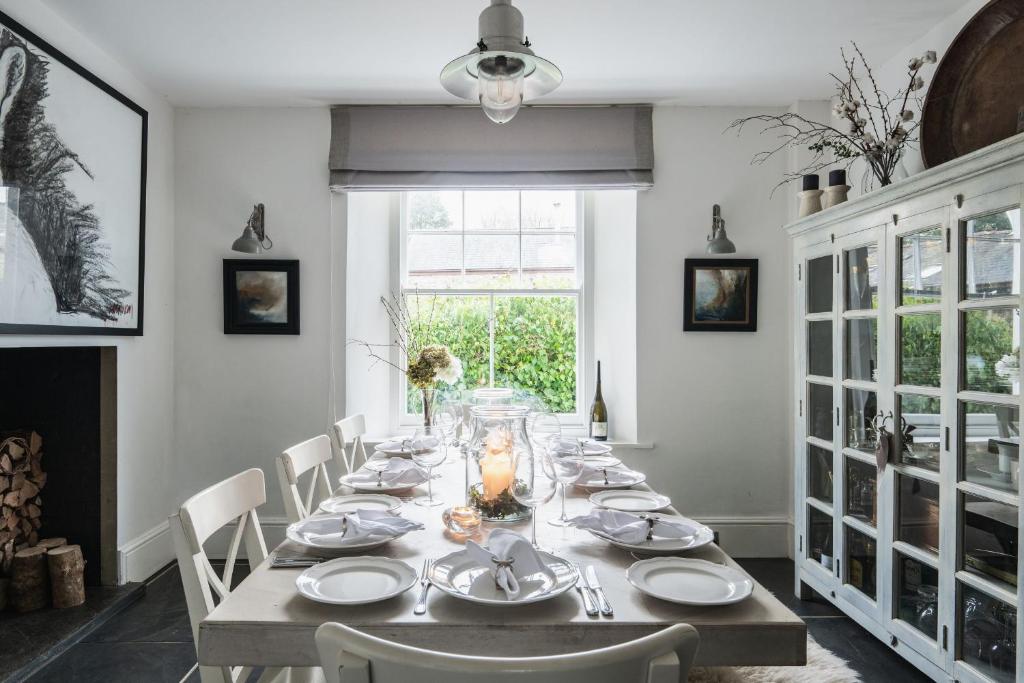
{"x":598,"y":412}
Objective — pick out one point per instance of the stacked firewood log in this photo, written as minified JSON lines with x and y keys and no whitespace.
{"x":21,"y":478}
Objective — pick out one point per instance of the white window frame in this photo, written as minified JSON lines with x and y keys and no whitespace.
{"x":575,"y":422}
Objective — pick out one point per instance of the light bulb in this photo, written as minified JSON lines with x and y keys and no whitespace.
{"x":500,"y":80}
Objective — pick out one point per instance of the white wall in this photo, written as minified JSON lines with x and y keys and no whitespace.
{"x":714,"y":404}
{"x":145,"y":433}
{"x":241,"y":399}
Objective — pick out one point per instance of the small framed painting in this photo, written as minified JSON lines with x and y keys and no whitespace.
{"x":261,"y":296}
{"x":720,"y":295}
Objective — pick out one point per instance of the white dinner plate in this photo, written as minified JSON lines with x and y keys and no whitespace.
{"x":630,"y":500}
{"x":589,"y":447}
{"x":660,"y":545}
{"x":623,"y":479}
{"x":369,"y":485}
{"x":689,"y":581}
{"x":360,"y":501}
{"x":602,"y":460}
{"x":393,"y":447}
{"x":458,"y":574}
{"x":356,"y":580}
{"x":324,"y":533}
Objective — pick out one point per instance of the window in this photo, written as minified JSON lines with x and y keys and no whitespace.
{"x":497,"y":276}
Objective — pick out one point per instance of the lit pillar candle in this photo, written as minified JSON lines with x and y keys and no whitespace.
{"x":496,"y":466}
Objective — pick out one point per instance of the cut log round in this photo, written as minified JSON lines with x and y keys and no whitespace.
{"x":67,"y":575}
{"x":51,"y":543}
{"x":30,"y":584}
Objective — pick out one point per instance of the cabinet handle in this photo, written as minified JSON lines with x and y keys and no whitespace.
{"x":945,"y":637}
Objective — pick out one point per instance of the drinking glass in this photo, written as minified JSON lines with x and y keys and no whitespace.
{"x":535,"y":484}
{"x":568,"y":465}
{"x":378,"y":462}
{"x":429,"y":458}
{"x":447,"y":419}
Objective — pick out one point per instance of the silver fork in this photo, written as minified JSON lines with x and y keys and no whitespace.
{"x":421,"y":602}
{"x":589,"y":604}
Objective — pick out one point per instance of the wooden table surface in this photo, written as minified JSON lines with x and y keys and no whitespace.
{"x":265,"y":622}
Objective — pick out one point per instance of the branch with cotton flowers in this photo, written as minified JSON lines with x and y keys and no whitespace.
{"x":873,"y":126}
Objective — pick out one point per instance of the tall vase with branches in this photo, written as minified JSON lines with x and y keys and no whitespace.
{"x":871,"y":124}
{"x":425,"y":365}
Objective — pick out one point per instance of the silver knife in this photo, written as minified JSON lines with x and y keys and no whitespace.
{"x":595,"y":585}
{"x":588,"y":599}
{"x":421,"y":602}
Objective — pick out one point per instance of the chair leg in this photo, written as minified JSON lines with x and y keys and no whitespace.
{"x":665,"y":669}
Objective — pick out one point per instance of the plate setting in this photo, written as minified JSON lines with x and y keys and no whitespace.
{"x":610,"y":478}
{"x":324,"y":532}
{"x":356,"y":580}
{"x":365,"y":501}
{"x":459,"y":575}
{"x":659,"y":545}
{"x":690,"y":581}
{"x":629,"y":500}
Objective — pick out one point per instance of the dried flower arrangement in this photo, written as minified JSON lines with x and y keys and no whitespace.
{"x":426,"y":365}
{"x":876,"y":127}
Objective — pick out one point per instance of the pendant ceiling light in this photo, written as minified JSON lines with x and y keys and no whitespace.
{"x":502,"y":71}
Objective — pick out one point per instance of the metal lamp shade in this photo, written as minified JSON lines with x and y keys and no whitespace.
{"x":247,"y":243}
{"x":720,"y":244}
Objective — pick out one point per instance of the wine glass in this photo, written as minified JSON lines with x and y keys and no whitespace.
{"x":378,"y":462}
{"x":534,"y":484}
{"x":447,"y":419}
{"x":544,"y":426}
{"x":428,"y":458}
{"x":568,"y":465}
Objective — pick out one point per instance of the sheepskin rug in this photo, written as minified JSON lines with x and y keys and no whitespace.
{"x":822,"y":667}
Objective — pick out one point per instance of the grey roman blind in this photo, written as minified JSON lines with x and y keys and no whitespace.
{"x":420,"y":147}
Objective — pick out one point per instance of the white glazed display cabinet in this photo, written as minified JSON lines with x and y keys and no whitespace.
{"x":907,"y":309}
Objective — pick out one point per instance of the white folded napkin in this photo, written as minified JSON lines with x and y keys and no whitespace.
{"x":400,"y":472}
{"x":613,"y":475}
{"x":509,"y":557}
{"x":409,"y":445}
{"x":632,"y":529}
{"x":353,"y":527}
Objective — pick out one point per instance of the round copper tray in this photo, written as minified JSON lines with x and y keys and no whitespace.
{"x":977,"y":95}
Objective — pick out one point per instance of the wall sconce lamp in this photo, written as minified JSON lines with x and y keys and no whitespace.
{"x":718,"y":241}
{"x":254,"y":238}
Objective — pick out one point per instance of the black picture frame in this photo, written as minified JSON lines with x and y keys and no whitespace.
{"x":735,"y":315}
{"x":233,"y":305}
{"x":49,"y":52}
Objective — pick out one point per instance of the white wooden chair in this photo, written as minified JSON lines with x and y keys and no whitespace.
{"x":351,"y":429}
{"x":233,"y":500}
{"x":310,"y":455}
{"x":349,"y":656}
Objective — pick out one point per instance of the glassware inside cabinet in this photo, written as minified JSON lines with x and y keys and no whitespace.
{"x":917,"y":595}
{"x":861,"y":561}
{"x":861,"y":491}
{"x":988,"y":634}
{"x":861,"y":408}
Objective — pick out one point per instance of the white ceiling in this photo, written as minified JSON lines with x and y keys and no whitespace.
{"x":298,"y":52}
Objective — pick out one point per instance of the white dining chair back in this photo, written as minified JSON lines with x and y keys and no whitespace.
{"x":349,"y":656}
{"x":351,"y":429}
{"x":312,"y":456}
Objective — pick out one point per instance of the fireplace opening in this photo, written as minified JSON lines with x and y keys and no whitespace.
{"x":58,"y":452}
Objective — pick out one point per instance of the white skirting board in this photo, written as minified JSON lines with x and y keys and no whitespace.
{"x":144,"y":555}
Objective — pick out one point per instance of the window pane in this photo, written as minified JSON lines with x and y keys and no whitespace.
{"x":917,"y":595}
{"x":549,"y":210}
{"x":990,"y":539}
{"x":535,"y":348}
{"x":862,"y":278}
{"x":433,"y":261}
{"x":819,"y":470}
{"x":819,"y":536}
{"x":461,"y":324}
{"x":549,"y":261}
{"x":434,"y":211}
{"x":988,"y":634}
{"x":991,"y":355}
{"x":990,"y":444}
{"x":921,"y":256}
{"x":992,"y":254}
{"x":492,"y":261}
{"x":917,"y":521}
{"x":497,"y":210}
{"x":919,"y":441}
{"x":862,"y":349}
{"x":920,"y":342}
{"x":861,"y":556}
{"x":861,"y":491}
{"x":861,"y":408}
{"x":819,"y":285}
{"x":819,"y":348}
{"x":819,"y":411}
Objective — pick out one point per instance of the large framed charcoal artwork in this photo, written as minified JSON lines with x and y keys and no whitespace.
{"x":72,"y":195}
{"x":720,"y":295}
{"x":261,"y":296}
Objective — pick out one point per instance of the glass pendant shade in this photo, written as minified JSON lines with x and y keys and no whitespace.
{"x":500,"y":81}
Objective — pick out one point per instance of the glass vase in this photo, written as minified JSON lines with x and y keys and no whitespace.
{"x":499,"y":437}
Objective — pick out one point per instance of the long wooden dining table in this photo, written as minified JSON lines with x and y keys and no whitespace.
{"x":265,"y":622}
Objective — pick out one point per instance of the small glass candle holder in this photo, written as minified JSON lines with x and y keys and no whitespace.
{"x":462,"y":520}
